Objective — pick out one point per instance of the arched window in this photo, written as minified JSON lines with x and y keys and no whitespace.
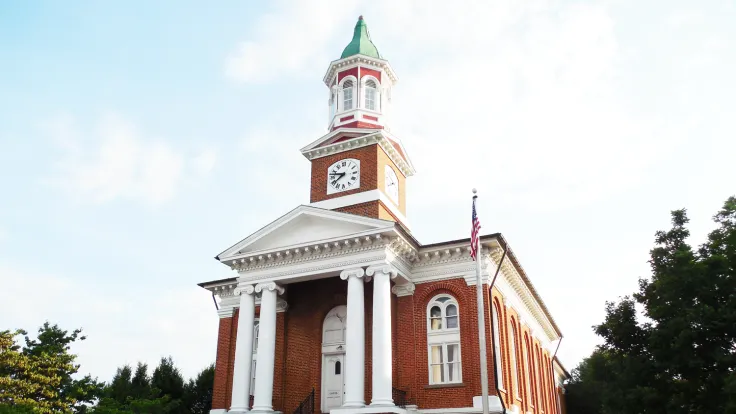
{"x":255,"y":353}
{"x":497,"y":346}
{"x":333,"y":330}
{"x":372,"y":98}
{"x":529,"y":371}
{"x":347,"y":95}
{"x":514,"y":364}
{"x":443,"y":340}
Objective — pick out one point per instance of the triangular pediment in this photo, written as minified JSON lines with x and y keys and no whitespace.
{"x":305,"y":225}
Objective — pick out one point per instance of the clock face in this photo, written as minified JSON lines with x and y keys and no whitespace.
{"x":392,"y":184}
{"x":343,"y":175}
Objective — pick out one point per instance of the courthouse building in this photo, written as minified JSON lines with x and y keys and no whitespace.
{"x":336,"y":307}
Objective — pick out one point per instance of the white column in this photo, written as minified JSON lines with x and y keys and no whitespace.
{"x":266,"y":347}
{"x":382,"y":375}
{"x":243,"y":350}
{"x":355,"y":341}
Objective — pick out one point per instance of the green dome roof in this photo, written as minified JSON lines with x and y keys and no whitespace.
{"x":361,"y":43}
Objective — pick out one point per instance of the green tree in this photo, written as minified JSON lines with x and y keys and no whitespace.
{"x":39,"y":375}
{"x":679,"y":355}
{"x":198,"y":391}
{"x":167,"y":379}
{"x":163,"y":392}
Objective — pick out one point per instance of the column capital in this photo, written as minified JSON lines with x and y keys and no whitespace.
{"x":270,"y":286}
{"x":358,"y":272}
{"x":281,"y":306}
{"x":403,"y":290}
{"x":385,"y":269}
{"x":249,"y":290}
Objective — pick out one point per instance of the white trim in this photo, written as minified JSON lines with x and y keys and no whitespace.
{"x":369,"y":137}
{"x":341,"y":65}
{"x":303,"y":209}
{"x":359,"y":198}
{"x":444,"y":337}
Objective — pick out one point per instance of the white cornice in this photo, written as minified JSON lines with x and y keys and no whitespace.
{"x":515,"y":292}
{"x":356,"y":60}
{"x":380,"y":137}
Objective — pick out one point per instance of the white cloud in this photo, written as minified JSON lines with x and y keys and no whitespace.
{"x":119,"y":162}
{"x":205,"y":162}
{"x":285,"y":41}
{"x":529,"y":88}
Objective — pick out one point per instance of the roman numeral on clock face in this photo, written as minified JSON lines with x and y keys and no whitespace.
{"x":343,"y":175}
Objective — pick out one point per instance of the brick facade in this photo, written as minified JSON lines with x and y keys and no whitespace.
{"x":373,"y":161}
{"x":298,"y":359}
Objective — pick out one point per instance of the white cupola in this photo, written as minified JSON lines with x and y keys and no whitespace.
{"x":360,"y":84}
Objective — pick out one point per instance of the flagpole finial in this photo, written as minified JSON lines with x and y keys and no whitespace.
{"x":475,"y":191}
{"x":475,"y":195}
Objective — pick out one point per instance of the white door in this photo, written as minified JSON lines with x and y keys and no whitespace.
{"x":334,"y":384}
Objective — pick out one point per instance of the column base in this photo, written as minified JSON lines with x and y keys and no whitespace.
{"x":261,"y":411}
{"x":382,"y":403}
{"x":218,"y":411}
{"x":369,"y":410}
{"x":354,"y":404}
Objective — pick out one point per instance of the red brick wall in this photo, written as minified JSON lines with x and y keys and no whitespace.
{"x":455,"y":395}
{"x":368,"y":157}
{"x":298,"y":359}
{"x":225,"y":341}
{"x":369,"y":209}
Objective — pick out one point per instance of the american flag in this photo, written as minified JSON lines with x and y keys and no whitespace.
{"x":474,"y":233}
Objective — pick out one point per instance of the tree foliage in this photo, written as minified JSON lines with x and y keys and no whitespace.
{"x":679,"y":354}
{"x":163,"y":392}
{"x":39,"y":376}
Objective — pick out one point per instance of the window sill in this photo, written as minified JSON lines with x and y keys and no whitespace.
{"x":448,"y":385}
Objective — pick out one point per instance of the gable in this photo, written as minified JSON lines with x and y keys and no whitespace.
{"x":304,"y":225}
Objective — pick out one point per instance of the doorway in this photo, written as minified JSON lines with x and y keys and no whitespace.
{"x":333,"y":358}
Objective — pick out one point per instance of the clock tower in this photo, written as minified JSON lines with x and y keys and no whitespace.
{"x":359,"y":166}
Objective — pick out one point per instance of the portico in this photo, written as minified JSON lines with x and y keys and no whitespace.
{"x":267,"y":274}
{"x":354,"y":351}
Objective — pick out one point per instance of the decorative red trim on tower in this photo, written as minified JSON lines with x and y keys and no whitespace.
{"x":359,"y":124}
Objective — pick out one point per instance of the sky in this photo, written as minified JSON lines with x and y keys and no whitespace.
{"x":140,"y":139}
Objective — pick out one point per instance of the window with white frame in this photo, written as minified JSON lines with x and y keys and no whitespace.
{"x":497,"y":346}
{"x":371,"y":95}
{"x":443,"y":340}
{"x":347,"y":95}
{"x":255,"y":353}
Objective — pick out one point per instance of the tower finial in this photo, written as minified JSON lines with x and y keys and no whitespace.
{"x":361,"y":43}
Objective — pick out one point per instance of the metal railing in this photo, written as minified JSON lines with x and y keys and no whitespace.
{"x":399,"y":397}
{"x":307,"y":405}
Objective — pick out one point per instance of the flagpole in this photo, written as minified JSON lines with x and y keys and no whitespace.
{"x":481,"y":322}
